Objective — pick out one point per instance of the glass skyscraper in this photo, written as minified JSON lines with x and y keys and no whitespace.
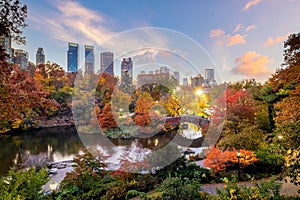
{"x":89,"y":59}
{"x":72,"y":59}
{"x":107,"y":62}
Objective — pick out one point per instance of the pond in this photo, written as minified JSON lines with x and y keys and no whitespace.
{"x":63,"y":143}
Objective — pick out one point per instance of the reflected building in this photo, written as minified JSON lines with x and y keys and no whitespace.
{"x":107,"y":62}
{"x":72,"y":58}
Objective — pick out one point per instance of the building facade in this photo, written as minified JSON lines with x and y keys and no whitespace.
{"x":197,"y":81}
{"x":126,"y":74}
{"x":40,"y":56}
{"x":89,"y":59}
{"x":5,"y":43}
{"x":209,"y":75}
{"x":21,"y":58}
{"x":72,"y":57}
{"x":107,"y":63}
{"x":177,"y":76}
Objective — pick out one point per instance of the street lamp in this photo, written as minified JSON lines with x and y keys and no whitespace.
{"x":238,"y":153}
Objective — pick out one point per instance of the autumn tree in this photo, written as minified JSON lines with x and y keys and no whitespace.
{"x":106,"y":118}
{"x":239,"y":106}
{"x":22,"y":98}
{"x":143,"y":106}
{"x":291,"y":51}
{"x":219,"y":160}
{"x":105,"y":87}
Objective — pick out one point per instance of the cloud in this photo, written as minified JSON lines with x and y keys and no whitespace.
{"x":72,"y":22}
{"x":277,"y":40}
{"x":250,"y":4}
{"x":250,"y":27}
{"x":228,"y":39}
{"x":252,"y":64}
{"x":235,"y":39}
{"x":237,"y":28}
{"x":216,"y":33}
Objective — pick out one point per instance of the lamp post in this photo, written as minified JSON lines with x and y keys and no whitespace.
{"x":238,"y":153}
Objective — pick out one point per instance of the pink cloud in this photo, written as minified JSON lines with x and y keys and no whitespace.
{"x":235,"y":39}
{"x":251,"y":3}
{"x":237,"y":28}
{"x":216,"y":33}
{"x":277,"y":40}
{"x":250,"y":27}
{"x":252,"y":64}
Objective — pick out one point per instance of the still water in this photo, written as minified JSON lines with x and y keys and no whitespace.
{"x":63,"y":143}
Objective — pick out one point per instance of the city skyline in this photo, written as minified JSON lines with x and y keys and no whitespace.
{"x":246,"y":41}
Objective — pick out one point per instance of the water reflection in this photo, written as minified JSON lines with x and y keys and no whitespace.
{"x":63,"y":143}
{"x":59,"y":143}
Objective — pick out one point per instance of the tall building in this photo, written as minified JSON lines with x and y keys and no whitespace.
{"x":40,"y":56}
{"x":197,"y":81}
{"x":5,"y":43}
{"x":209,"y":75}
{"x":107,"y":62}
{"x":126,"y":74}
{"x":177,"y":76}
{"x":89,"y":59}
{"x":164,"y":70}
{"x":72,"y":59}
{"x":185,"y":82}
{"x":21,"y":58}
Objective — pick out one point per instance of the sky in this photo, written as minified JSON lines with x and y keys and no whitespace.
{"x":239,"y":39}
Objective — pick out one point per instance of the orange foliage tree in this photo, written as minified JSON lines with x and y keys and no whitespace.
{"x":143,"y":105}
{"x":219,"y":160}
{"x":22,"y":98}
{"x":106,"y":118}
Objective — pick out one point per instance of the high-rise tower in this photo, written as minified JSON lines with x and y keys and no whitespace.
{"x":126,"y":74}
{"x":21,"y":58}
{"x":89,"y":59}
{"x":40,"y":56}
{"x":72,"y":58}
{"x":107,"y":62}
{"x":209,"y":75}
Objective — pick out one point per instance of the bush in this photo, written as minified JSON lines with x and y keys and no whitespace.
{"x":270,"y":160}
{"x":23,"y":185}
{"x":177,"y":188}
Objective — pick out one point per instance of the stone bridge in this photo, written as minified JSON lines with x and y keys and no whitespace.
{"x":197,"y":120}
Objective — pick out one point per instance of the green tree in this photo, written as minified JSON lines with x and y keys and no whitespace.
{"x":23,"y":185}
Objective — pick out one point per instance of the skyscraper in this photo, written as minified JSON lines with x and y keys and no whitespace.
{"x":107,"y":62}
{"x":40,"y":56}
{"x":21,"y":58}
{"x":209,"y":75}
{"x":72,"y":58}
{"x":126,"y":74}
{"x":177,"y":76}
{"x":5,"y":43}
{"x":89,"y":59}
